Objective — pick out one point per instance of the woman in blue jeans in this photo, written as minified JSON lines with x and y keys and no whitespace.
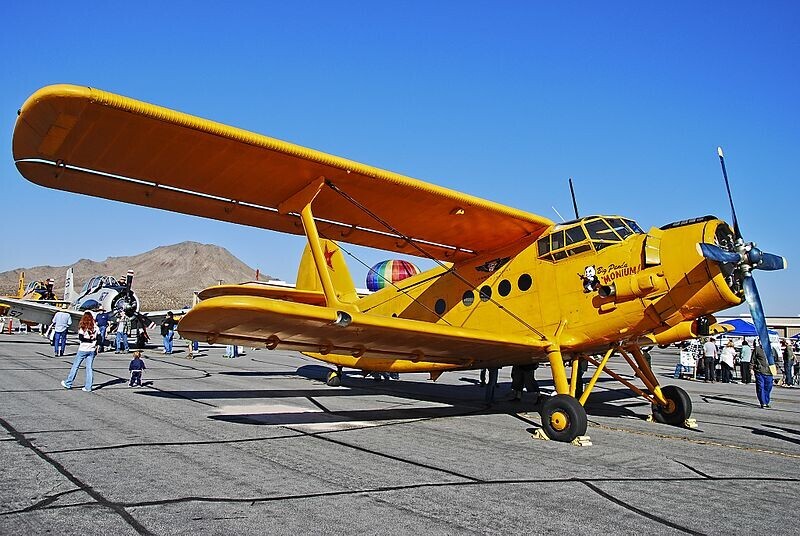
{"x":87,"y":336}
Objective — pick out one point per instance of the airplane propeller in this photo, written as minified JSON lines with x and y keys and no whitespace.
{"x":746,"y":257}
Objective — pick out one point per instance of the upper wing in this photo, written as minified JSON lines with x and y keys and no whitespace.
{"x":93,"y":142}
{"x":366,"y":341}
{"x":39,"y":313}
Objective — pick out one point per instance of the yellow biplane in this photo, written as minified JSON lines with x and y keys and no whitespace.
{"x":509,"y":287}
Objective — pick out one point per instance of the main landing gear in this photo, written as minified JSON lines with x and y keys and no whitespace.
{"x":563,"y":418}
{"x":676,"y":410}
{"x":563,"y":415}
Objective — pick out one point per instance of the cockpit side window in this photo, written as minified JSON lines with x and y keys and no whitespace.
{"x":544,"y":245}
{"x":599,"y":230}
{"x":563,"y":243}
{"x":557,"y":240}
{"x":619,"y":227}
{"x":575,"y":234}
{"x":634,"y":226}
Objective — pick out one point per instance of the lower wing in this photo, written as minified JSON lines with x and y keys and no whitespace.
{"x":358,"y":340}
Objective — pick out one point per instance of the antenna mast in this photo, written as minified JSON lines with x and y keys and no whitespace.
{"x":574,"y":203}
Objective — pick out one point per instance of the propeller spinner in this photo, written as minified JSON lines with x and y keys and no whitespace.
{"x":744,"y":258}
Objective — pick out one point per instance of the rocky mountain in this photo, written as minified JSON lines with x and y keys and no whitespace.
{"x":165,"y":277}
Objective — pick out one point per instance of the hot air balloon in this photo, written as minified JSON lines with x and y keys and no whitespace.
{"x":387,"y":272}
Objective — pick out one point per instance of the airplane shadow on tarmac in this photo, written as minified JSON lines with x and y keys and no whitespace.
{"x":455,"y":400}
{"x":775,"y":435}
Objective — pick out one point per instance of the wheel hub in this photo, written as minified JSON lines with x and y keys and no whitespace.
{"x":559,"y":421}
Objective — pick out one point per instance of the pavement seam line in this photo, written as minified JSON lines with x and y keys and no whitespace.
{"x":97,"y":496}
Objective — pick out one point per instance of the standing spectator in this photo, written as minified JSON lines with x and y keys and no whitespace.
{"x":136,"y":368}
{"x":141,"y":337}
{"x":709,"y":355}
{"x":583,"y":366}
{"x":744,"y":361}
{"x":788,"y":362}
{"x":763,"y":375}
{"x":491,"y":385}
{"x":194,"y":347}
{"x":102,"y":320}
{"x":168,"y":331}
{"x":123,"y":326}
{"x":524,"y":377}
{"x":87,"y":335}
{"x":727,"y":357}
{"x":61,"y":322}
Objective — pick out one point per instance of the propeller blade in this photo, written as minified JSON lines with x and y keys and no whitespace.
{"x":769,"y":261}
{"x":716,"y":253}
{"x":757,"y":314}
{"x":736,"y":231}
{"x":129,"y":279}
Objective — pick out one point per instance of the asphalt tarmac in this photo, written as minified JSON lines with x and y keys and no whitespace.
{"x":260,"y":445}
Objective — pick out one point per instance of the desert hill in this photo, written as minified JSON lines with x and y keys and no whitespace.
{"x":165,"y":277}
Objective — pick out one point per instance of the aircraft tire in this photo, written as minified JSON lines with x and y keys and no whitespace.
{"x":334,"y":379}
{"x":563,"y":418}
{"x":679,"y":408}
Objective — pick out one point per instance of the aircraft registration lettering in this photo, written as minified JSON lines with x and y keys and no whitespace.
{"x":609,"y":273}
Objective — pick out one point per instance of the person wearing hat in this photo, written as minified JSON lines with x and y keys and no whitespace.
{"x":168,"y":331}
{"x":102,"y":320}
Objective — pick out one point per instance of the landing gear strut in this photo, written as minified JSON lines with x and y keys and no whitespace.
{"x":563,"y":418}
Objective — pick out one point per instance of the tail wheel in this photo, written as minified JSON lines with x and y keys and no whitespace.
{"x":678,"y":408}
{"x":334,"y":379}
{"x":563,"y":418}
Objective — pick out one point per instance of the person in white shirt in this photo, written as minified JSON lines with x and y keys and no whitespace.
{"x":727,"y":358}
{"x":87,"y":335}
{"x":123,"y":326}
{"x":61,"y":323}
{"x":709,"y":356}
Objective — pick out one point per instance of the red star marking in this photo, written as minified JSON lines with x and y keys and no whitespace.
{"x":329,"y":256}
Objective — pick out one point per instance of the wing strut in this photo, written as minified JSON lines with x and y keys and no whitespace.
{"x":310,"y":227}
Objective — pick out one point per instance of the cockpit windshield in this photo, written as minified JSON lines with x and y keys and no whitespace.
{"x":34,"y":286}
{"x":585,"y":234}
{"x":99,"y":281}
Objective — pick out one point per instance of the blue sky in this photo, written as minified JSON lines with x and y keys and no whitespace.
{"x":504,"y":100}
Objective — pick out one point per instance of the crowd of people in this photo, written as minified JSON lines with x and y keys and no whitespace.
{"x":92,"y":340}
{"x":718,"y":363}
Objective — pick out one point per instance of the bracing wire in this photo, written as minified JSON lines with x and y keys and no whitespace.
{"x":427,"y":255}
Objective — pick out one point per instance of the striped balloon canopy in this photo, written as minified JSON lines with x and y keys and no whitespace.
{"x":387,"y":272}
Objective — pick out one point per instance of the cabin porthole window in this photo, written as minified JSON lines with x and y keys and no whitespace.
{"x":468,"y":298}
{"x":524,"y":282}
{"x":504,"y":288}
{"x":485,"y":293}
{"x":440,"y":307}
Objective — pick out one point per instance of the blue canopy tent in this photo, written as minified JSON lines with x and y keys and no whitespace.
{"x":743,"y":328}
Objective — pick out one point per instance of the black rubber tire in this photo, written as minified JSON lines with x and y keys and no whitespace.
{"x":681,"y":410}
{"x":569,"y":408}
{"x":334,"y":379}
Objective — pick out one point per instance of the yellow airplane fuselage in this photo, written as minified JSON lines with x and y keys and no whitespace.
{"x":660,"y":283}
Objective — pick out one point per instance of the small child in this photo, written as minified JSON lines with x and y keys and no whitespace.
{"x":136,"y":367}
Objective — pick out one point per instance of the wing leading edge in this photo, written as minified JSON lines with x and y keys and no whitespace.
{"x":97,"y":143}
